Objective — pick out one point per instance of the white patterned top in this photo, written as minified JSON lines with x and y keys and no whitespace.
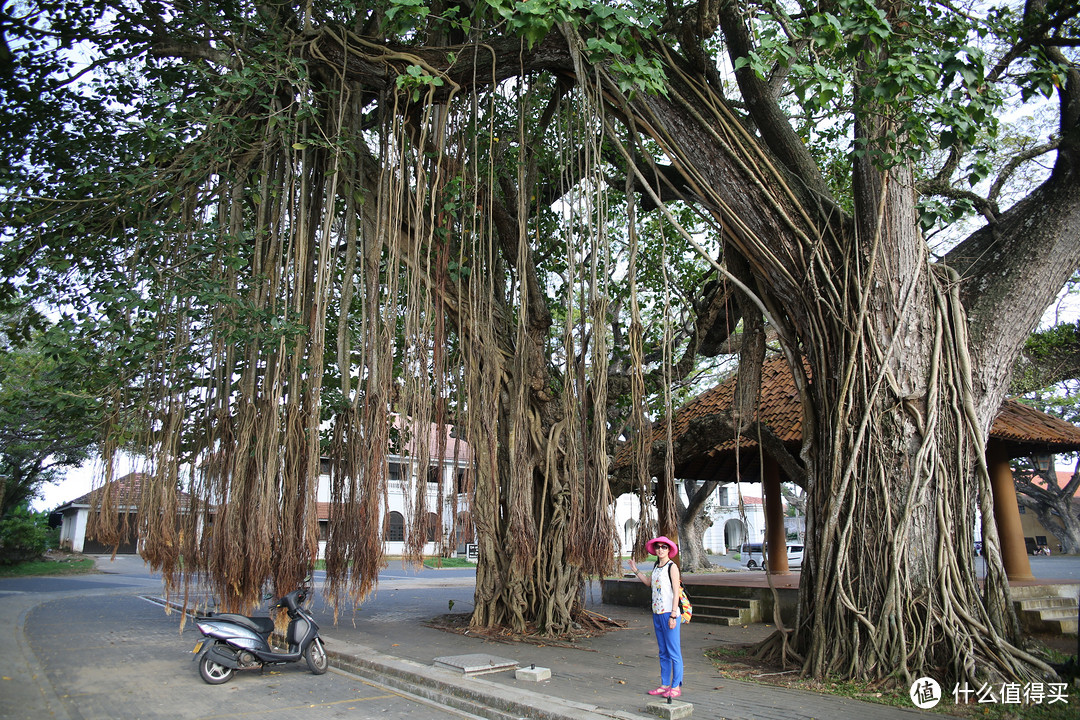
{"x":663,"y":598}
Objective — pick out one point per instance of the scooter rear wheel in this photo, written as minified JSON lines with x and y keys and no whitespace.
{"x":315,"y":654}
{"x":214,"y":673}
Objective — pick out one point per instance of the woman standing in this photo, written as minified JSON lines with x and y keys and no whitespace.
{"x":665,"y":583}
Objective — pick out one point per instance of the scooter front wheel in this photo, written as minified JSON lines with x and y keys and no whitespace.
{"x":315,"y":654}
{"x":212,"y":672}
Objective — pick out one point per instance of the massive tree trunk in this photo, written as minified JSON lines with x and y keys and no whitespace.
{"x":693,"y":522}
{"x":884,"y":399}
{"x":531,"y":484}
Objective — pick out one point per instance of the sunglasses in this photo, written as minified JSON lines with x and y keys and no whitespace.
{"x":659,"y":546}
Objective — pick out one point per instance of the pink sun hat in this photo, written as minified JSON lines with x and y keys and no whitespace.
{"x":651,"y":545}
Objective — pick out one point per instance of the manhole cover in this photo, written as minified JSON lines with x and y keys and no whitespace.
{"x":476,"y":663}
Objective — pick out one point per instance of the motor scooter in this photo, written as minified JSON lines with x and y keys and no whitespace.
{"x":237,"y":642}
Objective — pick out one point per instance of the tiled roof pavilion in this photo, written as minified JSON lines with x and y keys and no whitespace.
{"x":1018,"y":429}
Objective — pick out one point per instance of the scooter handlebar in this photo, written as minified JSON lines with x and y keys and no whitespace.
{"x":293,"y":600}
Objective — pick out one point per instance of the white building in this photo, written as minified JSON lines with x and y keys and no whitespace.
{"x":730,"y":528}
{"x":447,"y":516}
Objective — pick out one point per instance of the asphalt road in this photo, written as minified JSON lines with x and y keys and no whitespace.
{"x":104,"y":651}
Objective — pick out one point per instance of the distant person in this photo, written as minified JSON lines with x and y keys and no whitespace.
{"x":666,"y":581}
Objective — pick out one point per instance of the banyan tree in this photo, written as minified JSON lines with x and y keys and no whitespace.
{"x":293,"y":221}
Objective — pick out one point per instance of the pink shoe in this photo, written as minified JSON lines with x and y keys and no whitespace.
{"x":662,"y":690}
{"x":673,"y":693}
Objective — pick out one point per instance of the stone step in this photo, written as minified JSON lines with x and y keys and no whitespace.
{"x":720,"y":612}
{"x":1053,"y":613}
{"x":1059,"y":626}
{"x":728,"y":621}
{"x":1040,"y":603}
{"x":1021,"y":592}
{"x":705,"y":609}
{"x":705,"y":602}
{"x":739,"y":614}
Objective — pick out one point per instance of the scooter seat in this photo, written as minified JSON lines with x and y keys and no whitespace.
{"x":261,"y":625}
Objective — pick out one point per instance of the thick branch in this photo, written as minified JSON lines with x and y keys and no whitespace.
{"x":192,"y":51}
{"x":1013,"y":269}
{"x":987,"y":208}
{"x":773,"y":123}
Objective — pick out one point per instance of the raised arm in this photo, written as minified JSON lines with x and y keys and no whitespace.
{"x":638,"y":574}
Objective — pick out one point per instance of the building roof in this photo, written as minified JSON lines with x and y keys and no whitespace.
{"x":1021,"y":429}
{"x":454,"y":448}
{"x":1034,"y":430}
{"x":126,"y":489}
{"x":1063,"y":479}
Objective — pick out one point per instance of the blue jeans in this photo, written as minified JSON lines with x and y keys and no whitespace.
{"x":670,"y":644}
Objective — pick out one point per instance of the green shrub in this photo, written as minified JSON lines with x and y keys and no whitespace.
{"x":23,"y":536}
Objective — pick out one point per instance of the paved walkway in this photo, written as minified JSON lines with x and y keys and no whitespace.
{"x":608,"y":675}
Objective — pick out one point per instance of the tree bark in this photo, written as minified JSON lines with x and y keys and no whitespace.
{"x":693,"y":522}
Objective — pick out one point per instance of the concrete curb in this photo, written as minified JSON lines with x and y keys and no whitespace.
{"x":470,"y":694}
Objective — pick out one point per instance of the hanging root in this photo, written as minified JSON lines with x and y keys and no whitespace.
{"x":776,"y":650}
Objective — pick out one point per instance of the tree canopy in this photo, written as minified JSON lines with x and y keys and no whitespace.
{"x":50,"y":409}
{"x":529,"y":219}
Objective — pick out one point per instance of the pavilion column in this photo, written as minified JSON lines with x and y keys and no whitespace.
{"x":1007,"y":515}
{"x":775,"y":533}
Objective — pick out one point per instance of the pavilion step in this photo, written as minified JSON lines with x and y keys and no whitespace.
{"x":705,"y":601}
{"x":1045,"y":603}
{"x":736,"y":616}
{"x":1045,"y":590}
{"x":1053,"y":614}
{"x":711,"y":608}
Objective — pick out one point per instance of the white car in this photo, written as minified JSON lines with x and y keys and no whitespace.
{"x":753,"y":555}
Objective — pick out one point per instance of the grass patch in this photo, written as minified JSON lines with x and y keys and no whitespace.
{"x":431,"y":562}
{"x":450,"y":562}
{"x":48,"y":567}
{"x":738,"y":662}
